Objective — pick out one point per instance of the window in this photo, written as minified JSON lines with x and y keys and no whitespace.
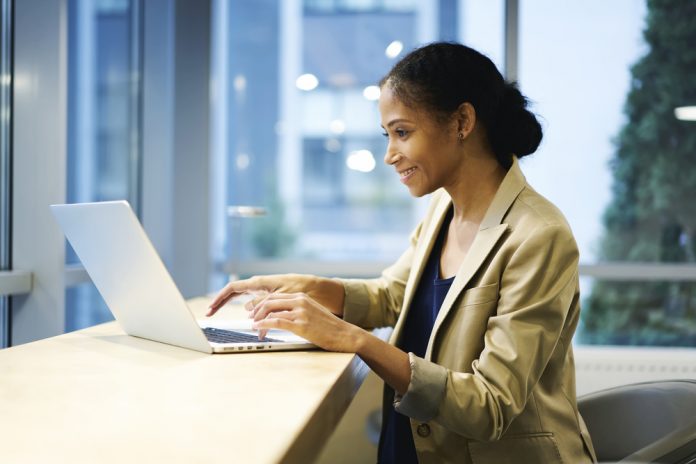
{"x":614,"y":158}
{"x":303,"y":134}
{"x":295,"y":131}
{"x":103,"y":123}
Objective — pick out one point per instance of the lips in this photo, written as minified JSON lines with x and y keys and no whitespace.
{"x":407,"y":172}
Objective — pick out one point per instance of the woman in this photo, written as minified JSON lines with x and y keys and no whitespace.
{"x":485,"y":300}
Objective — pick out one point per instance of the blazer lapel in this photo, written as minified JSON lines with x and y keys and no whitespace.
{"x":420,"y":259}
{"x":483,"y":244}
{"x":488,"y":235}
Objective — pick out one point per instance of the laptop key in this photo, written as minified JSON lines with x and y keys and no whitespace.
{"x":228,"y":336}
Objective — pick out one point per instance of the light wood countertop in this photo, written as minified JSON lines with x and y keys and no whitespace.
{"x":100,"y":396}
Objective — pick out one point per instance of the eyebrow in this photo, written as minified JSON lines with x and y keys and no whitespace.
{"x":394,"y":121}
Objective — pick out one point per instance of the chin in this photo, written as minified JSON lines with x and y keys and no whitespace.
{"x":419,"y":192}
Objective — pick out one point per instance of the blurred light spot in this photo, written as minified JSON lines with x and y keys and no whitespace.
{"x":393,"y":49}
{"x":239,"y":83}
{"x":342,"y":80}
{"x":333,"y":145}
{"x":685,"y":113}
{"x":371,"y":92}
{"x":361,"y":160}
{"x":337,"y":126}
{"x":242,"y":161}
{"x":307,"y":82}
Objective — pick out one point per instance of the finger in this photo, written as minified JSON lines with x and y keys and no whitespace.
{"x":233,"y":289}
{"x":275,"y":305}
{"x":281,"y":315}
{"x":280,"y":323}
{"x":229,"y":291}
{"x":259,"y":296}
{"x":255,"y":305}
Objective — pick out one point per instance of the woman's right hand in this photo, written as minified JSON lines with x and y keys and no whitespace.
{"x":327,"y":292}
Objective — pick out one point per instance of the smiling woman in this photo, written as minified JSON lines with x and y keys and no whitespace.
{"x":484,"y":302}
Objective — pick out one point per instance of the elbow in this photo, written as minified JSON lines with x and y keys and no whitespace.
{"x":494,"y":427}
{"x":486,"y":416}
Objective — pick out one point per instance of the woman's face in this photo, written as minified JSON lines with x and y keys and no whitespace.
{"x":423,"y":151}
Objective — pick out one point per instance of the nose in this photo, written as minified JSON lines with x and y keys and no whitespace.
{"x":392,"y":155}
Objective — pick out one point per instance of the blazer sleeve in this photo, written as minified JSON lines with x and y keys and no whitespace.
{"x":537,"y":290}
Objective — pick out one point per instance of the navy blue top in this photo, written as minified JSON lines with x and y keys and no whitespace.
{"x":396,"y":440}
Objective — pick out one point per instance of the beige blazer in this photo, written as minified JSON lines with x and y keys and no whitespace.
{"x":497,"y":384}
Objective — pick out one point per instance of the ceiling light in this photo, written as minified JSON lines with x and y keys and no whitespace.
{"x":239,"y":83}
{"x":307,"y":82}
{"x":685,"y":113}
{"x":337,"y":126}
{"x":393,"y":49}
{"x":361,"y":160}
{"x":332,"y":145}
{"x":371,"y":92}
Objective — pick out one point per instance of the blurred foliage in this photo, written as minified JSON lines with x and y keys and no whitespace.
{"x":271,"y":235}
{"x":652,"y":215}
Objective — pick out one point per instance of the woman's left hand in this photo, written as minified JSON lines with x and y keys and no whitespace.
{"x":303,"y":316}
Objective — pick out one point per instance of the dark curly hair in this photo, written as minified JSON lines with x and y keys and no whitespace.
{"x":441,"y":76}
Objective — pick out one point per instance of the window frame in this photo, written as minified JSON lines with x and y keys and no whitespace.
{"x":9,"y":281}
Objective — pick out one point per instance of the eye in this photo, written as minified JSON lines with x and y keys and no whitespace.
{"x":385,"y":134}
{"x":401,"y":133}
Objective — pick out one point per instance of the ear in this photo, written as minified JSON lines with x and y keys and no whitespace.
{"x":465,"y":117}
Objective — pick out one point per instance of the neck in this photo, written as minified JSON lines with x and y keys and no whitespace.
{"x":474,"y":187}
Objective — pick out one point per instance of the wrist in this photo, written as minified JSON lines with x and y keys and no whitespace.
{"x":360,"y":340}
{"x":336,"y":295}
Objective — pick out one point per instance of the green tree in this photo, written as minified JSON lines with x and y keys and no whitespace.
{"x":272,"y":236}
{"x":652,"y":215}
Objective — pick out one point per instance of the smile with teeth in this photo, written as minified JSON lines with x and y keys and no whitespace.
{"x":407,"y":172}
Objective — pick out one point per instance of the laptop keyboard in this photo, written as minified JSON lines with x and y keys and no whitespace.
{"x":227,"y":336}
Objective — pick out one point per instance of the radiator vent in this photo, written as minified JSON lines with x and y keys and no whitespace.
{"x":607,"y":366}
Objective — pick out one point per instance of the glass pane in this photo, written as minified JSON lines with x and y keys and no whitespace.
{"x":85,"y":307}
{"x":658,"y":313}
{"x":616,"y":157}
{"x":575,"y":63}
{"x":303,"y":136}
{"x":100,"y":101}
{"x":483,"y":28}
{"x":102,"y":118}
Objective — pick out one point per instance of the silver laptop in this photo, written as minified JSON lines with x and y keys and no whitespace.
{"x":137,"y":288}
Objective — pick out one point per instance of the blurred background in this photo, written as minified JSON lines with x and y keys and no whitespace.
{"x":190,"y":109}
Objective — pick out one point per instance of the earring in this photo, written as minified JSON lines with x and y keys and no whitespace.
{"x":460,"y":136}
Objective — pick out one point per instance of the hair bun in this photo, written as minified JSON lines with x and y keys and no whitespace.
{"x":515,"y":130}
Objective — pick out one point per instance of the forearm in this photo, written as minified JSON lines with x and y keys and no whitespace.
{"x":333,"y":295}
{"x":387,"y":361}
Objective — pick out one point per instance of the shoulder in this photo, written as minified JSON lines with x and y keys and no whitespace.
{"x":532,"y":218}
{"x":531,"y":211}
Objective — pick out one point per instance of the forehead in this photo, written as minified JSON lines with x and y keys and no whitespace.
{"x":391,"y":108}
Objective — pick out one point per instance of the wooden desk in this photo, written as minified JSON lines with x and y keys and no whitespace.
{"x":100,"y":396}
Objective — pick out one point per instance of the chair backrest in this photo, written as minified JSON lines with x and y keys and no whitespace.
{"x":642,"y":420}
